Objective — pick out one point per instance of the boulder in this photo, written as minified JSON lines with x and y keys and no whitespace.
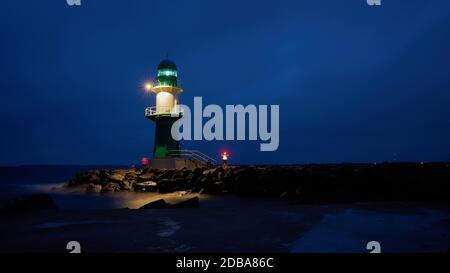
{"x":116,"y":177}
{"x":127,"y":185}
{"x":200,"y":183}
{"x":189,"y":203}
{"x":161,"y":204}
{"x":110,"y":187}
{"x":197,"y":172}
{"x":220,"y":174}
{"x":147,"y":186}
{"x":189,"y":178}
{"x":158,"y":204}
{"x":93,"y":178}
{"x":179,"y":174}
{"x":182,"y":193}
{"x":171,"y":185}
{"x":146,"y":177}
{"x":80,"y":179}
{"x":131,"y":175}
{"x":228,"y":173}
{"x":208,"y":173}
{"x":94,"y":188}
{"x":103,"y":174}
{"x":186,"y":172}
{"x":165,"y":185}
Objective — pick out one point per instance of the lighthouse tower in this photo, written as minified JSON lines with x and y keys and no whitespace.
{"x":166,"y":111}
{"x":166,"y":150}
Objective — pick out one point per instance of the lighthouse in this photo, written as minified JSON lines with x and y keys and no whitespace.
{"x":166,"y":111}
{"x":167,"y":153}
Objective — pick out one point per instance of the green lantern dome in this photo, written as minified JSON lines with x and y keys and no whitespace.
{"x":167,"y":64}
{"x":167,"y":73}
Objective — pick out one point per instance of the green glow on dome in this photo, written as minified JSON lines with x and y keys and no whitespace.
{"x":167,"y":72}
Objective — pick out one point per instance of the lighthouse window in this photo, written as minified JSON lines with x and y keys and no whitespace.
{"x":167,"y":73}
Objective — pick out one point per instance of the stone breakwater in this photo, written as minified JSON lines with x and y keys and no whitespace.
{"x":305,"y":183}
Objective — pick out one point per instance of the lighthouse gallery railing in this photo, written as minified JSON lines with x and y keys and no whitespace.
{"x":164,"y":110}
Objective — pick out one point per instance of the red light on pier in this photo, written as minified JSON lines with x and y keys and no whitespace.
{"x":144,"y":162}
{"x":225,"y":156}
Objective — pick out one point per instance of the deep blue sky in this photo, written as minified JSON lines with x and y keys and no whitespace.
{"x":354,"y":83}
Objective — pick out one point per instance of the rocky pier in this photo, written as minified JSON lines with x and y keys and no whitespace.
{"x":303,"y":183}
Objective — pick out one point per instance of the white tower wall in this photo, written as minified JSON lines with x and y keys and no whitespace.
{"x":165,"y":102}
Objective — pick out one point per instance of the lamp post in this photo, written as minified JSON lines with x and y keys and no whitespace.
{"x":148,"y":86}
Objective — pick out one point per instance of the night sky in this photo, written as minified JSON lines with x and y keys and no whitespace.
{"x":354,"y":83}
